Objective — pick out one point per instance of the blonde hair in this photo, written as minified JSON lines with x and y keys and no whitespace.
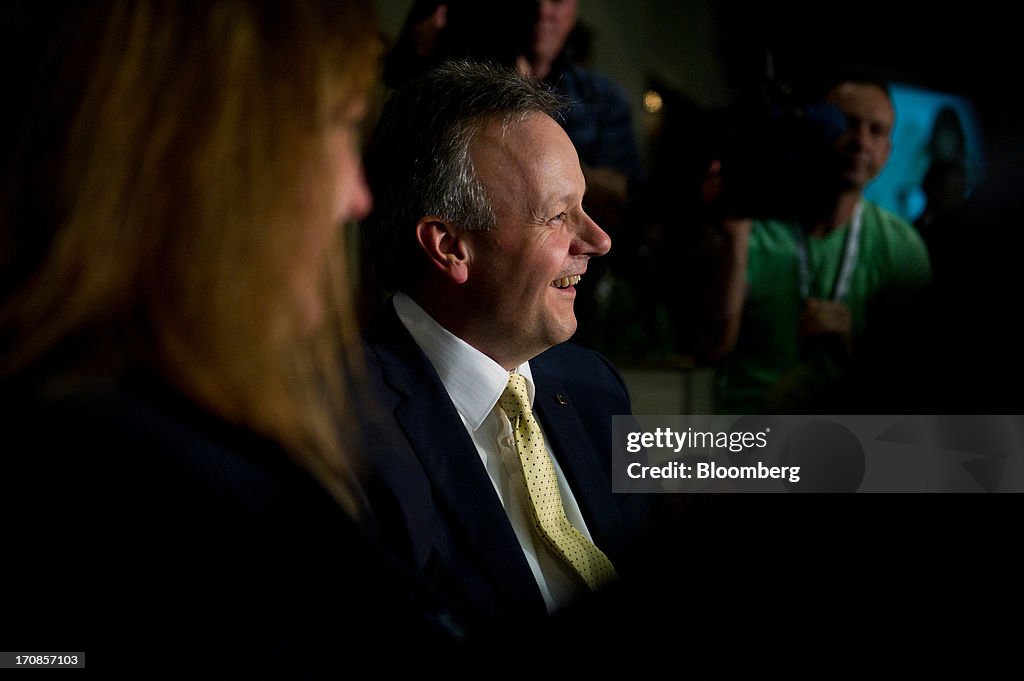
{"x":189,"y":159}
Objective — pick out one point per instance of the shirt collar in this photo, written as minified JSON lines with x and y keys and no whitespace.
{"x":473,"y":380}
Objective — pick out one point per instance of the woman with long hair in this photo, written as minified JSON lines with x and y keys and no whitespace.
{"x":175,"y":336}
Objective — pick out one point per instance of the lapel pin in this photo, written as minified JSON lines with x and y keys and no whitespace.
{"x":561,"y":399}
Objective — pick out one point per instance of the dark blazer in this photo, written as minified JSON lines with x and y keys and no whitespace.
{"x":431,"y":493}
{"x":160,"y":539}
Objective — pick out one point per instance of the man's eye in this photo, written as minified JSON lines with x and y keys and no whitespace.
{"x":560,"y":217}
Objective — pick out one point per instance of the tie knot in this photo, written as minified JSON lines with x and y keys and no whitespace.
{"x":515,"y":400}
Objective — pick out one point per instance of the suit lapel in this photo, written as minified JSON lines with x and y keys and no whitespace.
{"x":582,"y":465}
{"x":460,"y":484}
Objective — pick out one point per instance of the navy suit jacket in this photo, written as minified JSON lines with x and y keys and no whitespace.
{"x":434,"y":501}
{"x":146,"y":523}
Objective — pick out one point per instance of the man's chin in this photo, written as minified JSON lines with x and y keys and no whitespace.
{"x":567,"y":332}
{"x":854,"y":181}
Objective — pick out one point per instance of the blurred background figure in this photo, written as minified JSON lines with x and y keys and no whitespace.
{"x":958,"y":352}
{"x":948,"y":140}
{"x":543,"y":39}
{"x":943,"y":171}
{"x":945,"y":190}
{"x":797,"y":291}
{"x":178,"y":452}
{"x":598,"y":119}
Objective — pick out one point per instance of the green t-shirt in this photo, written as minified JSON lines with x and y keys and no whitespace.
{"x":771,"y":366}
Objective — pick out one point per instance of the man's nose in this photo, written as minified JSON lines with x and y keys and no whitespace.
{"x":860,"y":134}
{"x":591,"y":239}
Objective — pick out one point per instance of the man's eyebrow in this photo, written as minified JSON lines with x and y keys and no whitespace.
{"x":566,"y":199}
{"x":551,"y":199}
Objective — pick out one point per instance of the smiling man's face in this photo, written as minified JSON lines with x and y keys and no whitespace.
{"x":523,"y":272}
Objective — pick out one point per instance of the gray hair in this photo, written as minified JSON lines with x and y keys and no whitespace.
{"x":418,"y":162}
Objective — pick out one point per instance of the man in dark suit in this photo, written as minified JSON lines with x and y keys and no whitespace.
{"x":481,"y":231}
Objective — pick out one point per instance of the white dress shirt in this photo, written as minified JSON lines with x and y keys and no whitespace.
{"x":474,"y":383}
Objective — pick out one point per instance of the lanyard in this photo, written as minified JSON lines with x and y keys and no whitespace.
{"x":842,"y":285}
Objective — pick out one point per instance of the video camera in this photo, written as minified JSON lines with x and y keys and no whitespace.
{"x":774,"y":149}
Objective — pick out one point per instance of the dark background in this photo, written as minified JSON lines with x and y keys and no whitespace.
{"x":972,"y":49}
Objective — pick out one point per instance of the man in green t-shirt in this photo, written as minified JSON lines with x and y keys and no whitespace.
{"x":792,"y":300}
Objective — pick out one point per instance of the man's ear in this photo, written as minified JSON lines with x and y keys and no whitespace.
{"x":445,"y":248}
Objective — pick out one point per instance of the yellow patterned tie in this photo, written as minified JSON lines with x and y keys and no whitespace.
{"x":542,"y":488}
